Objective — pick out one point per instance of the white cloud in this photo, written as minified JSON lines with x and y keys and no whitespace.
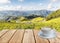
{"x":53,"y":0}
{"x":24,"y":8}
{"x":19,"y":7}
{"x":10,"y":7}
{"x":31,"y":7}
{"x":5,"y":1}
{"x":49,"y":6}
{"x":40,"y":4}
{"x":21,"y":0}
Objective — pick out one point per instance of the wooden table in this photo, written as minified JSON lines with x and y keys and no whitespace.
{"x":25,"y":36}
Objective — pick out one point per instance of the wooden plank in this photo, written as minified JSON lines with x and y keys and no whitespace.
{"x":58,"y":37}
{"x":57,"y":40}
{"x":7,"y":36}
{"x":17,"y":38}
{"x":3,"y":32}
{"x":28,"y":37}
{"x":58,"y":34}
{"x":38,"y":39}
{"x":52,"y":40}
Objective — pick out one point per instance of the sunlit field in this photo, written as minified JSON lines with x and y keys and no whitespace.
{"x":35,"y":23}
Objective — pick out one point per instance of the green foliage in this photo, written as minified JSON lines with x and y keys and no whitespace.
{"x":36,"y":23}
{"x":22,"y":24}
{"x":54,"y":14}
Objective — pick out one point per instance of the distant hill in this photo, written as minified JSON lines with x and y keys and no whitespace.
{"x":53,"y":15}
{"x":5,"y":14}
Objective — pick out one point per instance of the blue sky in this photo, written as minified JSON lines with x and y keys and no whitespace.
{"x":29,"y":4}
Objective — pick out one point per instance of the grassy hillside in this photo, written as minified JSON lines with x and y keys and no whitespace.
{"x":38,"y":19}
{"x":21,"y":24}
{"x":35,"y":23}
{"x":53,"y":21}
{"x":53,"y":15}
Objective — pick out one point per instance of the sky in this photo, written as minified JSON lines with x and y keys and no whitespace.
{"x":23,"y":5}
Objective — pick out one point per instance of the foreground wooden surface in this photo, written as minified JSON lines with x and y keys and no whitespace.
{"x":25,"y":36}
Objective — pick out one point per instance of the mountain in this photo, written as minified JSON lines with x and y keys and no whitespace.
{"x":53,"y":15}
{"x":38,"y":12}
{"x":4,"y":14}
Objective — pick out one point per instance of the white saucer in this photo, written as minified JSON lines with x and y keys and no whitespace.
{"x":52,"y":34}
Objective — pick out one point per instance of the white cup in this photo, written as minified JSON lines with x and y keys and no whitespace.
{"x":47,"y":33}
{"x":46,"y":30}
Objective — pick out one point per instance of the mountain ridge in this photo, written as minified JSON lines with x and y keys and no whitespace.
{"x":23,"y":13}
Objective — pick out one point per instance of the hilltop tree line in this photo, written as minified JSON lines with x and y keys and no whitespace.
{"x":21,"y":18}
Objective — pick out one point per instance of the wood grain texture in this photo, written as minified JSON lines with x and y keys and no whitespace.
{"x":5,"y":38}
{"x":17,"y":38}
{"x":2,"y":32}
{"x":28,"y":36}
{"x":52,"y":40}
{"x":38,"y":38}
{"x":58,"y":34}
{"x":57,"y":40}
{"x":25,"y":36}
